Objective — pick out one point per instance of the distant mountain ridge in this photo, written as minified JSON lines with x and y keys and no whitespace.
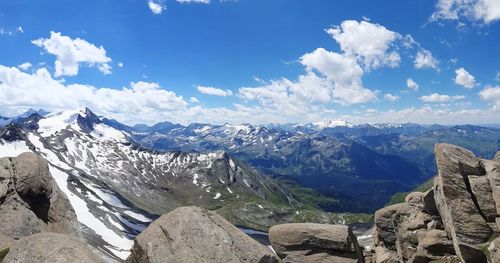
{"x":118,"y":186}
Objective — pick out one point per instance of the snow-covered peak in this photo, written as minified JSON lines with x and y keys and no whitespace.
{"x":331,"y":124}
{"x":55,"y":122}
{"x":81,"y":119}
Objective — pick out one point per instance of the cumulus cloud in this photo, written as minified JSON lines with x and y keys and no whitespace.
{"x":25,"y":66}
{"x":391,"y":97}
{"x":194,"y":100}
{"x":369,"y":42}
{"x":40,"y":90}
{"x":214,"y":91}
{"x":435,"y":97}
{"x":411,"y":84}
{"x":464,"y":78}
{"x":70,"y":53}
{"x":157,"y":6}
{"x":485,"y":11}
{"x":424,"y":59}
{"x":491,"y":94}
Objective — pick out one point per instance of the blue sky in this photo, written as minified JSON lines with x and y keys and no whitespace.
{"x":256,"y":61}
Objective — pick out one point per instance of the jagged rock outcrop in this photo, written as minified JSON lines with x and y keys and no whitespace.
{"x":30,"y":200}
{"x":50,"y":248}
{"x":315,"y":243}
{"x":453,"y":222}
{"x":193,"y":234}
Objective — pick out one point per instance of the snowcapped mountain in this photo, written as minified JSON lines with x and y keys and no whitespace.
{"x":19,"y":118}
{"x":327,"y":124}
{"x":117,"y":187}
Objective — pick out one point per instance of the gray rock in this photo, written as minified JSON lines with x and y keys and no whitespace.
{"x":192,"y":234}
{"x":50,"y":248}
{"x":384,"y":255}
{"x":493,"y":173}
{"x":430,"y":204}
{"x":30,"y":201}
{"x":309,"y":242}
{"x":385,"y":230}
{"x":455,"y":202}
{"x":414,"y":198}
{"x":481,"y":188}
{"x":494,"y":250}
{"x":436,"y":243}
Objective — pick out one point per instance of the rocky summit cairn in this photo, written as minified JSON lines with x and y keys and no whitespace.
{"x":193,"y":234}
{"x":315,"y":243}
{"x":456,"y":221}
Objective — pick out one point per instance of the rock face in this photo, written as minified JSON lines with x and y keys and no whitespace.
{"x":315,"y":243}
{"x":453,"y":222}
{"x":30,"y":201}
{"x":50,"y":248}
{"x":192,"y":234}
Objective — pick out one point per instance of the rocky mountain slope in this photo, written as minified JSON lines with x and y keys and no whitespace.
{"x":334,"y":157}
{"x":118,"y":187}
{"x":456,"y":221}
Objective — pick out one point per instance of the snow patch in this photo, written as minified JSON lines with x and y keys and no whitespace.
{"x":138,"y":216}
{"x":120,"y":246}
{"x":13,"y":149}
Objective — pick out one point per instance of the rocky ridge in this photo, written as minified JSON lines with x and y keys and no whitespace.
{"x":456,"y":221}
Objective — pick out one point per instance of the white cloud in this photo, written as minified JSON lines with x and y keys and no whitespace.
{"x":368,"y":42}
{"x":157,"y":6}
{"x":412,"y":84}
{"x":391,"y":98}
{"x":435,"y":97}
{"x":486,"y":11}
{"x":214,"y":91}
{"x":20,"y":29}
{"x":70,"y":53}
{"x":424,"y":59}
{"x":194,"y":100}
{"x":194,"y":1}
{"x":25,"y":66}
{"x":464,"y":78}
{"x":40,"y":90}
{"x":428,"y":115}
{"x":4,"y":31}
{"x":344,"y":76}
{"x":120,"y":64}
{"x":491,"y":94}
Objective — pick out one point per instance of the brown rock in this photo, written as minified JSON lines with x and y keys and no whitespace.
{"x":385,"y":232}
{"x":384,"y":255}
{"x":455,"y":202}
{"x":414,"y":198}
{"x":481,"y":188}
{"x":429,"y":203}
{"x":494,"y":250}
{"x":50,"y":248}
{"x":30,"y":201}
{"x":315,"y":243}
{"x":192,"y":234}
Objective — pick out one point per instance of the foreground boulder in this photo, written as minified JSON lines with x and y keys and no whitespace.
{"x":50,"y":248}
{"x":456,"y":221}
{"x":30,"y":200}
{"x":315,"y":243}
{"x":193,"y":234}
